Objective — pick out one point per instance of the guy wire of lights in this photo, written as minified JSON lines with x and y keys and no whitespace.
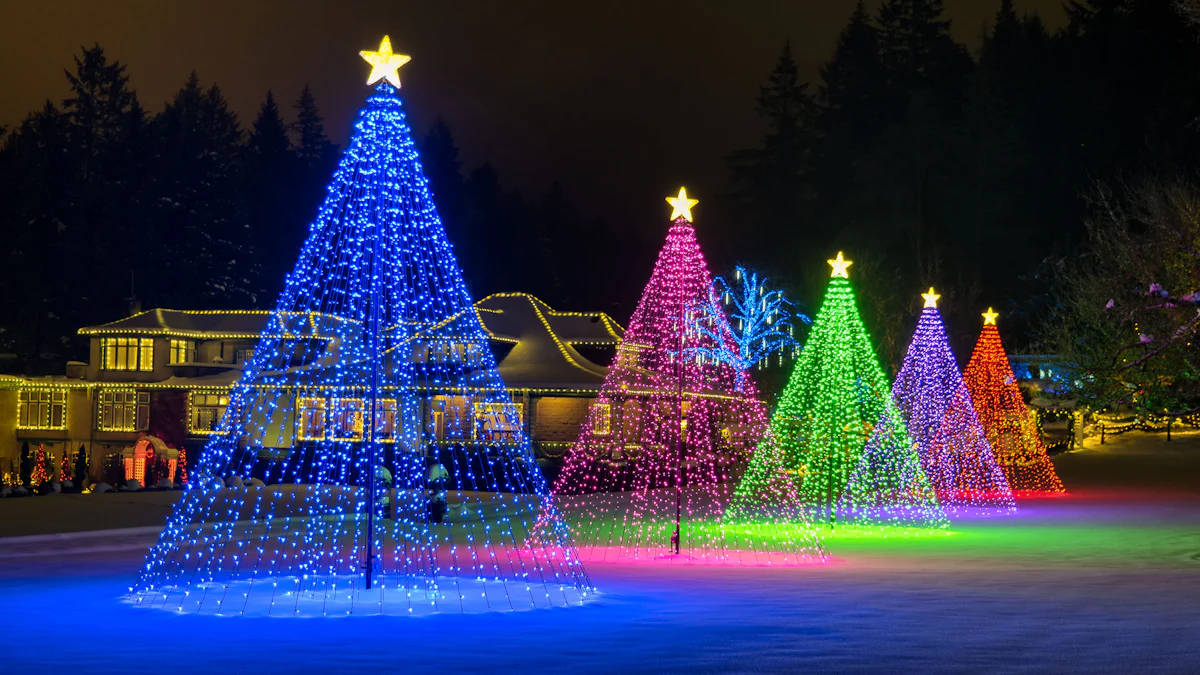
{"x":940,"y":418}
{"x":654,"y":467}
{"x":841,"y":433}
{"x":1010,"y":426}
{"x":380,"y":469}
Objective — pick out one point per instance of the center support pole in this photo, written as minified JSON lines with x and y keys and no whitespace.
{"x":682,"y":430}
{"x":371,"y":447}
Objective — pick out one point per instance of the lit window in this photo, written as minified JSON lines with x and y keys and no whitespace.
{"x":126,"y":354}
{"x":341,"y":419}
{"x":498,"y":421}
{"x":345,"y":419}
{"x":183,"y":351}
{"x":311,"y":412}
{"x":42,"y":409}
{"x":124,"y":410}
{"x":206,"y":411}
{"x":601,"y":419}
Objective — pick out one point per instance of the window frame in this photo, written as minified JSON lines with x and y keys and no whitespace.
{"x":124,"y":400}
{"x":178,"y":346}
{"x":43,"y":409}
{"x":116,"y":354}
{"x":200,"y":401}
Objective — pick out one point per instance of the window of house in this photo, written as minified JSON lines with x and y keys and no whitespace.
{"x":243,"y":355}
{"x":42,"y":409}
{"x":341,"y":419}
{"x":126,"y":353}
{"x":183,"y":351}
{"x":311,"y":413}
{"x":601,"y":419}
{"x":498,"y":421}
{"x":206,"y":409}
{"x":124,"y":410}
{"x":344,"y":420}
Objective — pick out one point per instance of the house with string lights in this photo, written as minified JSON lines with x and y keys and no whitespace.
{"x":158,"y":382}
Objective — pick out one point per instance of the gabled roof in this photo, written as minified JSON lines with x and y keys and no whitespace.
{"x":215,"y":324}
{"x":544,"y":354}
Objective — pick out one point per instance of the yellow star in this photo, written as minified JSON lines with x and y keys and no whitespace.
{"x":989,"y":317}
{"x":385,"y":64}
{"x":682,"y":206}
{"x":931,"y":298}
{"x":839,"y":267}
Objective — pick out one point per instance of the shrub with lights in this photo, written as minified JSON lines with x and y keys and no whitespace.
{"x":940,"y":418}
{"x":1008,"y":422}
{"x":370,"y":459}
{"x":653,"y":471}
{"x":42,"y":466}
{"x":841,"y":434}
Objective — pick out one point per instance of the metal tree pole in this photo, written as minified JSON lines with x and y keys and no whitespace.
{"x":370,"y":445}
{"x":675,"y":538}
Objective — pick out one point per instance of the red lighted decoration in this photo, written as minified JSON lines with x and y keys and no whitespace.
{"x":656,"y":462}
{"x":1007,"y":421}
{"x":64,"y":466}
{"x":42,"y":466}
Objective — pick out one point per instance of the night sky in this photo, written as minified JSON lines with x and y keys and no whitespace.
{"x":622,"y":102}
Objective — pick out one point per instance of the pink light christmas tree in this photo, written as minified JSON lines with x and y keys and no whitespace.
{"x":941,"y":420}
{"x":653,"y":470}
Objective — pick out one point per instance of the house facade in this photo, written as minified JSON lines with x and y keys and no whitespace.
{"x":164,"y":376}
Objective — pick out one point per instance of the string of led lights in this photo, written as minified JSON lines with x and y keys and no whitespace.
{"x":841,"y":434}
{"x":759,"y":320}
{"x":1010,"y":427}
{"x":415,"y":493}
{"x":653,"y":470}
{"x":941,"y":419}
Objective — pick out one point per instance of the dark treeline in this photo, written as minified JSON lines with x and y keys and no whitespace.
{"x":928,"y":162}
{"x":935,"y":165}
{"x":107,"y":205}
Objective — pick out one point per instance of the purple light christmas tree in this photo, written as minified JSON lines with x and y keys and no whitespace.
{"x":941,"y":420}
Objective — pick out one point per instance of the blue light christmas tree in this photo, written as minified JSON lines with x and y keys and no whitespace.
{"x":370,"y":459}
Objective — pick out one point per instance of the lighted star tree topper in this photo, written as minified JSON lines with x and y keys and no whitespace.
{"x":940,"y":418}
{"x":1010,"y":427}
{"x":653,"y":471}
{"x":841,"y":434}
{"x":370,"y":459}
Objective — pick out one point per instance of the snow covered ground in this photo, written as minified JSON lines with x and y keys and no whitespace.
{"x":1106,"y":580}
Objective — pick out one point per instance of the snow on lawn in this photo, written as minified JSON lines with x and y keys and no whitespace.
{"x":1105,"y":580}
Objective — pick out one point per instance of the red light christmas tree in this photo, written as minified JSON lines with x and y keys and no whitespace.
{"x":41,"y":468}
{"x":941,"y":420}
{"x":672,"y":430}
{"x":1006,"y":420}
{"x":64,"y":466}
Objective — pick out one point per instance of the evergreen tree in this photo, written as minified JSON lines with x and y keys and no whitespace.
{"x":444,"y":169}
{"x":770,"y":181}
{"x":200,"y":207}
{"x":270,"y":182}
{"x":850,"y":115}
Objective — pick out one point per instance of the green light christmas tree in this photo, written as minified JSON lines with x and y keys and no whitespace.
{"x":841,"y":434}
